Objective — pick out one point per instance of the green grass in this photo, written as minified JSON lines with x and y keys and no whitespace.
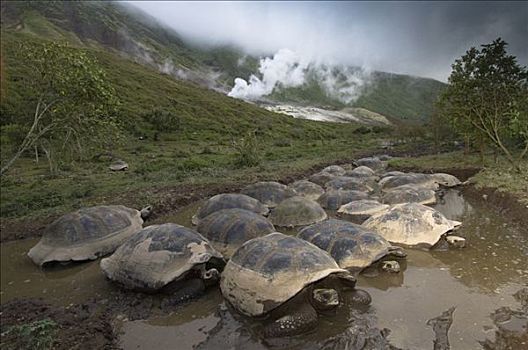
{"x":29,"y":190}
{"x":198,"y":151}
{"x":495,"y":174}
{"x":37,"y":335}
{"x":402,"y":97}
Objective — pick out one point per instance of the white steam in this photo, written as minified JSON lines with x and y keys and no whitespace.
{"x":343,"y":83}
{"x":288,"y":69}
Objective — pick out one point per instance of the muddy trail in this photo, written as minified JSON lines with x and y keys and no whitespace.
{"x":470,"y":298}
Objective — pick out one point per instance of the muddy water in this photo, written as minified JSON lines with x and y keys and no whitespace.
{"x":476,"y":280}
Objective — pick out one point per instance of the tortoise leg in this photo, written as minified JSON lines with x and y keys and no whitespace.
{"x":299,"y":321}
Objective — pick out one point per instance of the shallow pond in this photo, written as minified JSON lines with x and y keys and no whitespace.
{"x":476,"y":280}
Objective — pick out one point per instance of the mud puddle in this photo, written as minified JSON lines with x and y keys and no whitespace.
{"x":476,"y":280}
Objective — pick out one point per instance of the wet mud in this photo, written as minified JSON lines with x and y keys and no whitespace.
{"x":485,"y":282}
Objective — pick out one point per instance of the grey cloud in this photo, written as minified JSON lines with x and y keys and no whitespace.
{"x":420,"y":38}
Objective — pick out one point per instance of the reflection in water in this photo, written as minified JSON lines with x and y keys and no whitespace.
{"x":512,"y":326}
{"x":496,"y":250}
{"x":385,"y":280}
{"x":61,"y":284}
{"x":453,"y":205}
{"x":477,"y":280}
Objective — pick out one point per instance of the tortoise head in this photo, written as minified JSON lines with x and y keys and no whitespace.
{"x":210,"y":277}
{"x":145,"y":212}
{"x":325,"y":298}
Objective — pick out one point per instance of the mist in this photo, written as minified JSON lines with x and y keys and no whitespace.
{"x":290,"y":69}
{"x":417,"y":38}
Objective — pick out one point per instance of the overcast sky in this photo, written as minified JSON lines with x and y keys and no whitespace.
{"x":419,"y":38}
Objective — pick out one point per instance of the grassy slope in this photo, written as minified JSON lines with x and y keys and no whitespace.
{"x":199,"y":152}
{"x":108,"y":24}
{"x":119,"y":27}
{"x":401,"y":97}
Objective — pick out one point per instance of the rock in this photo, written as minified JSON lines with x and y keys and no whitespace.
{"x":119,"y":165}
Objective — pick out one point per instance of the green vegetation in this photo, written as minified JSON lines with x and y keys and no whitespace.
{"x":122,"y":28}
{"x":191,"y":144}
{"x":247,"y":151}
{"x":403,"y":97}
{"x":74,"y":104}
{"x":175,"y":133}
{"x":487,"y":98}
{"x":37,"y":335}
{"x":495,"y":172}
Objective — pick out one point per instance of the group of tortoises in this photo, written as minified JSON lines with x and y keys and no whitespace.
{"x":236,"y":241}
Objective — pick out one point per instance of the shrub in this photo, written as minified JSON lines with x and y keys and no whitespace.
{"x":247,"y":151}
{"x":37,"y":335}
{"x":163,"y":120}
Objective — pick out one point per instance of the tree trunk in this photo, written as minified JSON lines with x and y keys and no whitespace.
{"x":48,"y":156}
{"x":12,"y":160}
{"x":495,"y":155}
{"x":481,"y":148}
{"x":516,"y":165}
{"x":32,"y":136}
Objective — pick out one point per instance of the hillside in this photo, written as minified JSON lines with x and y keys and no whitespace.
{"x":205,"y":145}
{"x":402,"y":97}
{"x":128,"y":31}
{"x":142,"y":90}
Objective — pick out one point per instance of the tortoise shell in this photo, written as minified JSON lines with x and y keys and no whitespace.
{"x":267,"y":271}
{"x":350,"y":183}
{"x":409,"y":194}
{"x":297,"y":211}
{"x":157,"y":256}
{"x":352,"y":246}
{"x":334,"y":170}
{"x":269,"y":193}
{"x":228,"y":229}
{"x":307,"y":189}
{"x":411,"y":224}
{"x":229,"y":201}
{"x":334,"y":199}
{"x":86,"y":234}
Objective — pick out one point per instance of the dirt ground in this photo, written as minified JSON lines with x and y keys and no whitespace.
{"x":84,"y":326}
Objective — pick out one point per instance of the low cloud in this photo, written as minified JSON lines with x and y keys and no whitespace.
{"x":289,"y":69}
{"x":419,"y":38}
